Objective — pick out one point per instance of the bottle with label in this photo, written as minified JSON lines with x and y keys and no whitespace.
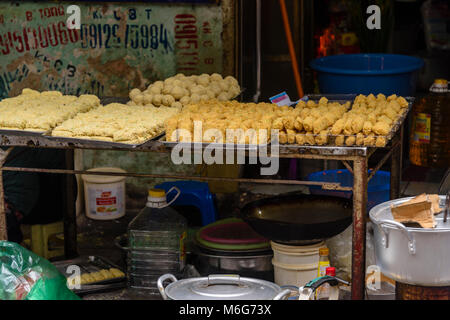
{"x":156,"y":240}
{"x":430,"y":136}
{"x":324,"y":263}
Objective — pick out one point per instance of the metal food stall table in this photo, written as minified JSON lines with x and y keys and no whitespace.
{"x":357,"y":154}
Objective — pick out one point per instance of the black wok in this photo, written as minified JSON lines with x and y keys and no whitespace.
{"x":298,"y":219}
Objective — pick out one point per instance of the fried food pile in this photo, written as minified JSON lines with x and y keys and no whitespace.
{"x":42,"y":111}
{"x":310,"y":122}
{"x":369,"y":121}
{"x":181,"y":90}
{"x":214,"y":117}
{"x":366,"y":123}
{"x":102,"y":275}
{"x":117,"y":122}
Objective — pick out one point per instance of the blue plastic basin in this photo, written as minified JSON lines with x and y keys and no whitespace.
{"x":367,"y":73}
{"x":377,"y":188}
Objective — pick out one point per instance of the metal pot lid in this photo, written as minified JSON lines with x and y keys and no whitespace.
{"x":222,"y":287}
{"x":382,"y":212}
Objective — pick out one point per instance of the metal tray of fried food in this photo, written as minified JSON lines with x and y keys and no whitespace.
{"x":359,"y":139}
{"x":99,"y":143}
{"x":88,"y":264}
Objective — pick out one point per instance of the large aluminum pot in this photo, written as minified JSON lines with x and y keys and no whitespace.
{"x":410,"y":255}
{"x":220,"y":287}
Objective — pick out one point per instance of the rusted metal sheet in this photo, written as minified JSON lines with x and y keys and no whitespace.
{"x":118,"y":47}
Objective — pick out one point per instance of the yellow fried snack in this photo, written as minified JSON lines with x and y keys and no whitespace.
{"x":282,"y":137}
{"x":339,"y":141}
{"x":350,"y":141}
{"x":381,"y":128}
{"x":369,"y":140}
{"x":288,"y":123}
{"x":338,"y":127}
{"x":308,"y":123}
{"x":357,"y":124}
{"x":309,"y":138}
{"x":300,"y":138}
{"x":380,"y":142}
{"x":290,"y":136}
{"x":367,"y":127}
{"x":320,"y":124}
{"x":402,"y":102}
{"x":359,"y":139}
{"x":322,"y":138}
{"x":298,"y":124}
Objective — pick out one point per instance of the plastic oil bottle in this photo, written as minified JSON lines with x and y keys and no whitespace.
{"x":324,"y":263}
{"x":156,"y":243}
{"x":430,"y":134}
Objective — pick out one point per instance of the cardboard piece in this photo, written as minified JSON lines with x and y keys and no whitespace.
{"x":433,"y":198}
{"x":416,"y":211}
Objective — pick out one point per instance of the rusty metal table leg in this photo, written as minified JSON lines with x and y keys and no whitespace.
{"x":359,"y":228}
{"x":3,"y":226}
{"x":69,"y":216}
{"x":396,"y":167}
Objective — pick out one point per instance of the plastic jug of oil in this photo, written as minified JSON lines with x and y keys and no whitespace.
{"x":156,"y":242}
{"x":430,"y":135}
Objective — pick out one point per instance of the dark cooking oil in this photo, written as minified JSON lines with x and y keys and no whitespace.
{"x":430,"y":134}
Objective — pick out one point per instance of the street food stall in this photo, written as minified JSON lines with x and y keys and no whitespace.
{"x":88,"y":93}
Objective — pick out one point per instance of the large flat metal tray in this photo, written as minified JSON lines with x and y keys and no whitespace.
{"x":343,"y":99}
{"x":89,"y":264}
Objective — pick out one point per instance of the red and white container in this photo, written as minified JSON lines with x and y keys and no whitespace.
{"x":104,"y":195}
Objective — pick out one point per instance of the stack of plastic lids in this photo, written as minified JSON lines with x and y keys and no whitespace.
{"x":233,"y":235}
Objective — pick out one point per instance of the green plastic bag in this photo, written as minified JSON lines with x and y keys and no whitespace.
{"x":27,"y":276}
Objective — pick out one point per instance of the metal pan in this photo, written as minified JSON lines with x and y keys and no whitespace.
{"x":92,"y":264}
{"x":298,"y":219}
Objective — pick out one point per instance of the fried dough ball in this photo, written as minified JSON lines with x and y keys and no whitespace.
{"x":359,"y":139}
{"x":367,"y":127}
{"x":350,"y":141}
{"x":402,"y":102}
{"x":309,"y":138}
{"x":288,"y":123}
{"x":134,"y":92}
{"x":369,"y":140}
{"x":339,"y":141}
{"x":338,"y":127}
{"x":298,"y":124}
{"x":290,"y":136}
{"x":319,"y":125}
{"x":308,"y":123}
{"x":300,"y":139}
{"x":322,"y":138}
{"x":381,"y":128}
{"x":282,"y":137}
{"x":357,"y":124}
{"x":380,"y":142}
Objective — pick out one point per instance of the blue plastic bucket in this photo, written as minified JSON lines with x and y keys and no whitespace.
{"x":377,"y":188}
{"x":368,"y":73}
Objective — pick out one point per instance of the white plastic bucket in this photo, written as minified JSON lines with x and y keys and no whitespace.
{"x":295,"y":265}
{"x":104,"y":195}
